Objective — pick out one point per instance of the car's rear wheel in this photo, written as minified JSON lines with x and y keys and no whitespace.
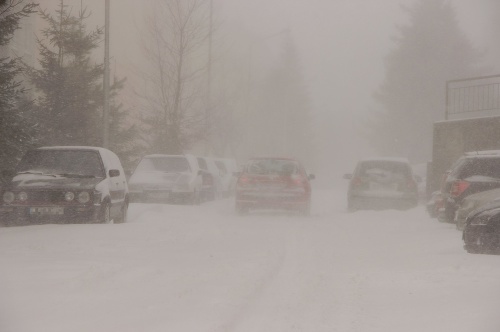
{"x":305,"y":211}
{"x":351,"y":206}
{"x":194,"y":198}
{"x":242,"y":209}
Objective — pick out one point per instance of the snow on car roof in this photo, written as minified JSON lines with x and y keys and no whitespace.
{"x":277,"y":158}
{"x":158,"y":155}
{"x":392,"y":159}
{"x":72,"y":147}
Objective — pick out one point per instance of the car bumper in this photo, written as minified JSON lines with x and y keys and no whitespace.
{"x":280,"y":200}
{"x":26,"y":215}
{"x":160,"y":196}
{"x":481,"y":237}
{"x":379,"y":203}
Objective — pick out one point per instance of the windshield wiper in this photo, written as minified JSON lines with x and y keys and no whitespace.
{"x":76,"y":175}
{"x":38,"y":173}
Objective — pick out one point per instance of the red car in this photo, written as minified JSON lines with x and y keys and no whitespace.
{"x":273,"y":183}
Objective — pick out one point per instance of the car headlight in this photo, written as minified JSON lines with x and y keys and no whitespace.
{"x":69,"y":196}
{"x":83,"y":197}
{"x":22,"y":196}
{"x":8,"y":197}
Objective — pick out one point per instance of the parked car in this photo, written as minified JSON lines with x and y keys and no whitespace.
{"x":481,"y":232}
{"x":382,"y":183}
{"x":166,"y":178}
{"x":472,"y":173}
{"x":420,"y":175}
{"x":434,"y":204}
{"x":471,"y":203}
{"x":227,"y":168}
{"x":273,"y":183}
{"x":65,"y":184}
{"x":211,"y":178}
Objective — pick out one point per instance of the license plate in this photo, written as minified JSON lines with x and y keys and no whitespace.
{"x":53,"y":210}
{"x":271,"y":186}
{"x":383,"y":186}
{"x":159,"y":195}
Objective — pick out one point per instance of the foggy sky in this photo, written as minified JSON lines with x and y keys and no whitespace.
{"x":341,"y":43}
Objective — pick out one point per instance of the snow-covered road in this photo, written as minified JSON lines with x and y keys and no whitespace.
{"x":204,"y":268}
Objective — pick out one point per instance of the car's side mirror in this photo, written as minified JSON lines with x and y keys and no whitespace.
{"x":311,"y":176}
{"x":114,"y":173}
{"x":347,"y":176}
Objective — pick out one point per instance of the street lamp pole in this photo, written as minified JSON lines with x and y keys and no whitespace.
{"x":105,"y":124}
{"x":209,"y":83}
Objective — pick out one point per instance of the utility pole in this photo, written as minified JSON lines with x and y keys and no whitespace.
{"x":105,"y":124}
{"x":209,"y":83}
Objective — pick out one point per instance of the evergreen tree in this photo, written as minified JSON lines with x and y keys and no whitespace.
{"x":70,"y":105}
{"x":16,"y":129}
{"x":430,"y":50}
{"x":123,"y":137}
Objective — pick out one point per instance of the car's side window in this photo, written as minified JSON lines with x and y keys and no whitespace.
{"x":203,"y":164}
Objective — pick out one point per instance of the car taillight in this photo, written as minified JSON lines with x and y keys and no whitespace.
{"x":458,"y":187}
{"x":298,"y":181}
{"x":243,"y":180}
{"x":356,"y":182}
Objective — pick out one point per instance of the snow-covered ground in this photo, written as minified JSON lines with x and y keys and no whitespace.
{"x":204,"y":268}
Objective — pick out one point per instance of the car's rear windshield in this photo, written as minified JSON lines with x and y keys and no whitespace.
{"x":486,"y":166}
{"x":164,"y":164}
{"x":377,"y":168}
{"x":272,"y":166}
{"x":77,"y":162}
{"x":220,"y":165}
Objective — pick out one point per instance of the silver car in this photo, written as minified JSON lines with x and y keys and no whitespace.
{"x":166,"y":178}
{"x":382,"y":183}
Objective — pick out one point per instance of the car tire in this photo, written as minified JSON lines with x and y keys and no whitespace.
{"x":123,"y":215}
{"x":241,"y":209}
{"x":473,"y":249}
{"x":194,"y":198}
{"x":351,"y":207}
{"x":105,"y":217}
{"x":305,"y":211}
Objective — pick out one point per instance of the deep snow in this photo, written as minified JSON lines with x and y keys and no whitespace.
{"x":204,"y":268}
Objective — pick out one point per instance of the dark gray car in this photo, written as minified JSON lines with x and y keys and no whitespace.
{"x":65,"y":184}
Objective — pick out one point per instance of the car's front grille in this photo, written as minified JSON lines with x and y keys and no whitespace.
{"x":46,"y":196}
{"x":43,"y":197}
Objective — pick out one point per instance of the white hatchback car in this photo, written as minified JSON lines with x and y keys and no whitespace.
{"x":166,"y":178}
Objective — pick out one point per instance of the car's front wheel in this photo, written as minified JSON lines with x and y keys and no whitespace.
{"x":123,"y":214}
{"x":194,"y":198}
{"x":241,"y":209}
{"x":105,"y":217}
